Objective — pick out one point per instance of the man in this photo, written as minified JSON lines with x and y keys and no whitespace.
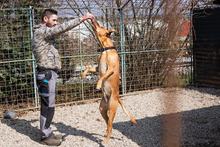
{"x":48,"y":63}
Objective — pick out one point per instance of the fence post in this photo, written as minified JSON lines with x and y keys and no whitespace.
{"x":123,"y":67}
{"x":193,"y":66}
{"x":33,"y":59}
{"x":81,"y":62}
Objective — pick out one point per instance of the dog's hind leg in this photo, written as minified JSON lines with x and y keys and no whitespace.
{"x":103,"y":110}
{"x":113,"y":105}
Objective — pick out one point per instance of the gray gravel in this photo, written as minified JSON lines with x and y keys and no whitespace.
{"x":82,"y":125}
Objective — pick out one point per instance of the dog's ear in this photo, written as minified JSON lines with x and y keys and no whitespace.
{"x":110,"y":31}
{"x":95,"y":24}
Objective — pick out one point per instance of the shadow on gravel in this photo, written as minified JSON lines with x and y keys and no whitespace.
{"x":200,"y":127}
{"x":68,"y":130}
{"x":24,"y":127}
{"x":211,"y":91}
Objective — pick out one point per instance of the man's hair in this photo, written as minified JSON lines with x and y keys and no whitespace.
{"x":48,"y":13}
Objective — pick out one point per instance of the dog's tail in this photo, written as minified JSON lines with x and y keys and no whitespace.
{"x":123,"y":107}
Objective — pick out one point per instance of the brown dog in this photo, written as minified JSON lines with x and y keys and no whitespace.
{"x":108,"y":68}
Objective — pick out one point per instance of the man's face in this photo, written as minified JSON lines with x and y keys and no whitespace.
{"x":51,"y":21}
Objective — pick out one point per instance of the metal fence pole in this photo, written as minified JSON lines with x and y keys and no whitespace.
{"x":81,"y":64}
{"x":31,"y":12}
{"x":123,"y":67}
{"x":191,"y":48}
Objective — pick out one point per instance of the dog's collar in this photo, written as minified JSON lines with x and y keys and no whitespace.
{"x":104,"y":49}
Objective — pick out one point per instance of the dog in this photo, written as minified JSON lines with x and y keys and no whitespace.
{"x":108,"y":68}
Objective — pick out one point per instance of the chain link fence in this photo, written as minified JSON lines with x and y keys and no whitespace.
{"x":146,"y":56}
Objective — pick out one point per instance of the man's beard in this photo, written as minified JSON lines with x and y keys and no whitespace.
{"x":49,"y":25}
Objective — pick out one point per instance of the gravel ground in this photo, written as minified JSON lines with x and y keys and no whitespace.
{"x":82,"y":125}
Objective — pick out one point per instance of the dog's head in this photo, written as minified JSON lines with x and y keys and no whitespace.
{"x":102,"y":35}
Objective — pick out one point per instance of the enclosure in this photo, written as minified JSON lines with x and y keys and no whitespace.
{"x":153,"y":44}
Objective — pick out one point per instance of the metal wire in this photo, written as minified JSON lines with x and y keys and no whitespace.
{"x":145,"y":60}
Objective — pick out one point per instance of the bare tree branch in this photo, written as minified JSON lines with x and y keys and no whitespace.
{"x":83,"y":22}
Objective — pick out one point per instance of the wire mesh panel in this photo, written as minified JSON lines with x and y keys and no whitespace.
{"x":148,"y":46}
{"x":16,"y":74}
{"x":154,"y":47}
{"x":149,"y":70}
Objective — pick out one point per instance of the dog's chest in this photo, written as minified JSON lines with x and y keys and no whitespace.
{"x":103,"y":64}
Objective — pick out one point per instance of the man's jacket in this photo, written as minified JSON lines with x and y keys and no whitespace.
{"x":43,"y":44}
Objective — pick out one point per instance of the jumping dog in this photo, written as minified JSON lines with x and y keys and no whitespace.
{"x":108,"y":68}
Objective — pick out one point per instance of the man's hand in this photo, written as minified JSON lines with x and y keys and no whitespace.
{"x":88,"y":16}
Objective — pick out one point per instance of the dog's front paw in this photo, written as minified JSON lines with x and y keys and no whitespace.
{"x":99,"y":85}
{"x":83,"y":75}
